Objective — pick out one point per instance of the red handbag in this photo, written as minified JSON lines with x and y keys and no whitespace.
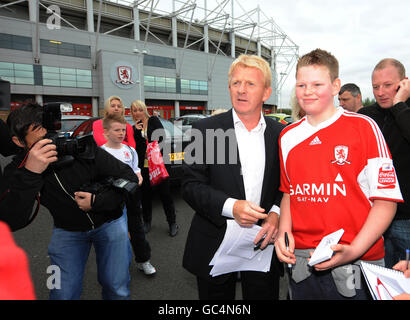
{"x":156,"y":166}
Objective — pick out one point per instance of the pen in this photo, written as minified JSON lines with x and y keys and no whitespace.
{"x":407,"y":258}
{"x":287,"y":248}
{"x":258,"y":244}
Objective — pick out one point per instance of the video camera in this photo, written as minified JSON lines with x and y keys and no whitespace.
{"x":67,"y":148}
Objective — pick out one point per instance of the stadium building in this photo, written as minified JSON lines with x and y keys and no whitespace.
{"x":174,"y":55}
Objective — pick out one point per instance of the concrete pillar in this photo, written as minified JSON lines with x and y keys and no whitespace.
{"x":32,"y":8}
{"x":174,"y":32}
{"x":176,"y":109}
{"x":206,"y":39}
{"x":94,"y":101}
{"x":136,"y":14}
{"x":90,"y":16}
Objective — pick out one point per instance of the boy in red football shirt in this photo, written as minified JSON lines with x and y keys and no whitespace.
{"x":336,"y":172}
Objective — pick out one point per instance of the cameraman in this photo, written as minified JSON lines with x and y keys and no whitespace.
{"x":80,"y":218}
{"x":11,"y":194}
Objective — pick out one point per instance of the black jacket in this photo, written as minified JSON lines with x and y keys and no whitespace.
{"x":206,"y":187}
{"x":395,"y":126}
{"x":141,"y":143}
{"x":67,"y":215}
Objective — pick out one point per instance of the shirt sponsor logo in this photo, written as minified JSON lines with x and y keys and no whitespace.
{"x":312,"y":192}
{"x":387,"y":177}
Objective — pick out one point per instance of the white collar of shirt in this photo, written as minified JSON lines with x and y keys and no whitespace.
{"x":238,"y":122}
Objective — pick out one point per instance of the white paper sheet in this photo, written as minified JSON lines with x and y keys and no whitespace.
{"x":236,"y":251}
{"x":323,"y":251}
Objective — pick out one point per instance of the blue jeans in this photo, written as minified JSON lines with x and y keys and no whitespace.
{"x":70,"y":250}
{"x":396,"y":241}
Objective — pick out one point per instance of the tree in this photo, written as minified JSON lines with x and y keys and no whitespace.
{"x":368,"y":102}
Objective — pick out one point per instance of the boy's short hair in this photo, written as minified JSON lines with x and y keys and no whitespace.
{"x":391,"y":62}
{"x":20,"y":120}
{"x":252,"y":61}
{"x":107,"y":104}
{"x":110,"y":118}
{"x":320,"y":57}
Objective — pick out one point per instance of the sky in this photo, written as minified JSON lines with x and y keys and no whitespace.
{"x":359,"y":33}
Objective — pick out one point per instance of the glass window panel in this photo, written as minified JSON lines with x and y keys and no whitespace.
{"x":81,"y":72}
{"x":6,"y":65}
{"x":51,"y":82}
{"x":70,"y":77}
{"x":26,"y":67}
{"x":24,"y":80}
{"x":67,"y":71}
{"x":51,"y":69}
{"x":160,"y":80}
{"x":51,"y":75}
{"x":6,"y":73}
{"x":22,"y":46}
{"x":68,"y":83}
{"x":184,"y":83}
{"x":149,"y":88}
{"x":84,"y":84}
{"x":26,"y":74}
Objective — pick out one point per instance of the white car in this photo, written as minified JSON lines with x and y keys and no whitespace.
{"x":70,"y":122}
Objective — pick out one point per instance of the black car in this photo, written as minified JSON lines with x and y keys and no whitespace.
{"x":174,"y":140}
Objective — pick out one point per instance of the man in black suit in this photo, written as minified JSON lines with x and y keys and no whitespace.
{"x":237,"y":178}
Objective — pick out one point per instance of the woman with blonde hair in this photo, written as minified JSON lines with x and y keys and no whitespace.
{"x":113,"y":105}
{"x":144,"y":127}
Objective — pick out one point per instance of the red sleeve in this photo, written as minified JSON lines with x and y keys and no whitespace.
{"x":15,"y":277}
{"x":284,"y":180}
{"x":98,"y":133}
{"x":129,"y":137}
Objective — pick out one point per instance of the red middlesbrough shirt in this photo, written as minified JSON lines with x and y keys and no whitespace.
{"x":332,"y":173}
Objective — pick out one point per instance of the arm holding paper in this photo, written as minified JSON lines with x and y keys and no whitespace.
{"x":378,"y":220}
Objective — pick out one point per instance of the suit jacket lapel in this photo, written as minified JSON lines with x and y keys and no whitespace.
{"x":269,"y":158}
{"x":235,"y":169}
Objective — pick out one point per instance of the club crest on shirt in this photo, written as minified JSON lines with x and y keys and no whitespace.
{"x":341,"y":153}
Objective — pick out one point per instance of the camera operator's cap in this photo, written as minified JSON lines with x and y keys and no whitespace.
{"x":15,"y":279}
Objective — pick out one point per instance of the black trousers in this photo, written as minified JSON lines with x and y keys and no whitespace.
{"x":255,"y":286}
{"x":139,"y":244}
{"x":165,"y":195}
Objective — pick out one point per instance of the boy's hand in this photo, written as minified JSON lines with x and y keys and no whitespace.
{"x":83,"y":200}
{"x":247,"y":213}
{"x":280,"y":247}
{"x":140,"y":179}
{"x":40,"y":156}
{"x":343,"y":255}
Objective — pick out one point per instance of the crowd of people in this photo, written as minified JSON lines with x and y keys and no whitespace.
{"x":335,"y":167}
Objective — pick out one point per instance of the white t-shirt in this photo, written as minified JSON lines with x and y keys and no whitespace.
{"x":126,"y":154}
